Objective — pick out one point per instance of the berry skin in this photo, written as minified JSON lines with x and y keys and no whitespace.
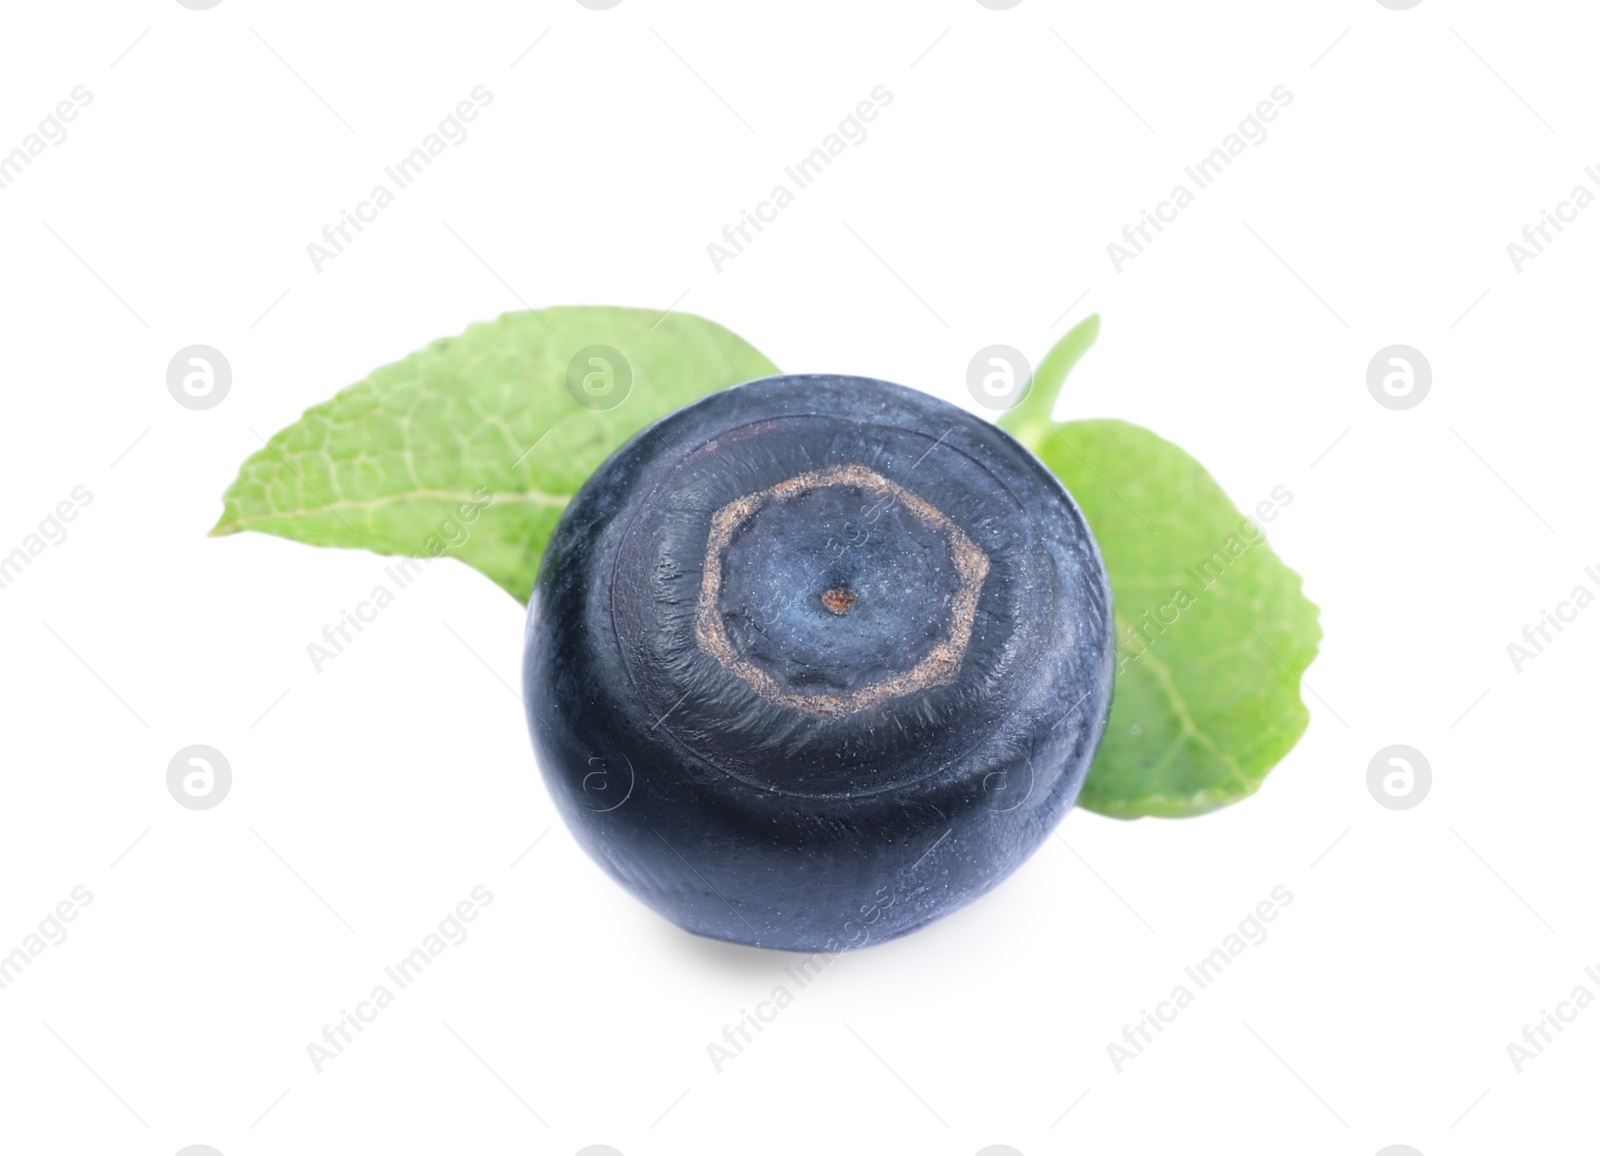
{"x":817,"y":660}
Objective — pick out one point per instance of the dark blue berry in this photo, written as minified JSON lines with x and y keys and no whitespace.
{"x":817,"y":660}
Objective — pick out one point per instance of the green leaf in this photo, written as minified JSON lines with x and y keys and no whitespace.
{"x":473,"y":446}
{"x":1029,"y":421}
{"x":1213,"y":632}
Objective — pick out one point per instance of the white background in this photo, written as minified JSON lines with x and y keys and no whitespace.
{"x":371,"y":798}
